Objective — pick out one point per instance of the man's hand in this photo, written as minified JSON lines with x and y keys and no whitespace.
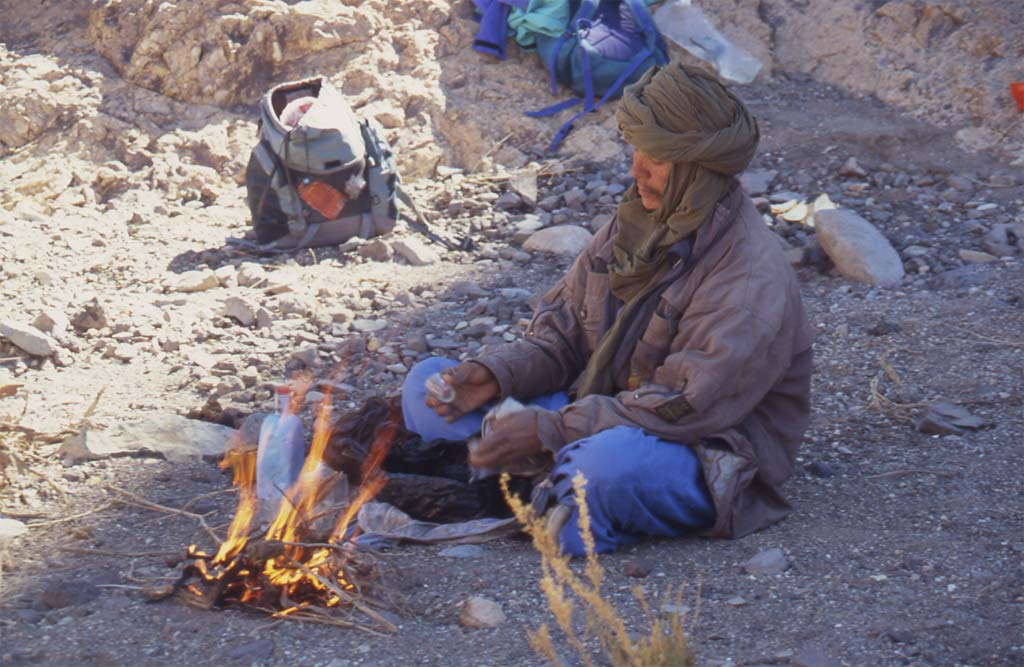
{"x":474,"y":385}
{"x":513,"y":438}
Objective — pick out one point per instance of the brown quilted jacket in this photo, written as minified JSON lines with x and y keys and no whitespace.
{"x":724,"y":365}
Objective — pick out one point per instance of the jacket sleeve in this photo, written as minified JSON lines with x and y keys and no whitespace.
{"x":553,"y":351}
{"x":723,"y":363}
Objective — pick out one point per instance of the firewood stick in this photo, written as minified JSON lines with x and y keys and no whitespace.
{"x":348,"y":598}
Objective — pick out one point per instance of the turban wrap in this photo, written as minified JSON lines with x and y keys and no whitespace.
{"x":685,"y":116}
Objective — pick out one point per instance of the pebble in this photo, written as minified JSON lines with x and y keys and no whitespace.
{"x":976,"y":256}
{"x":737,"y":601}
{"x":376,"y":250}
{"x":61,"y":594}
{"x":11,"y":528}
{"x":463,"y":551}
{"x":415,"y":252}
{"x":769,"y":561}
{"x":568,"y":240}
{"x":637,"y":569}
{"x":480,"y":612}
{"x":240,"y":310}
{"x":257,"y":651}
{"x":250,"y":274}
{"x":195,"y":281}
{"x":368,"y":326}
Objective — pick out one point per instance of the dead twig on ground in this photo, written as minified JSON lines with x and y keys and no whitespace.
{"x":991,"y":339}
{"x":888,"y":406}
{"x":74,"y":517}
{"x":342,"y":595}
{"x":132,"y":499}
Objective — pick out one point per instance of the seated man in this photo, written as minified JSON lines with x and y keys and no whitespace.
{"x":672,"y":364}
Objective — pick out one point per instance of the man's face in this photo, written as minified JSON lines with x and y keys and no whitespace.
{"x":651,"y":178}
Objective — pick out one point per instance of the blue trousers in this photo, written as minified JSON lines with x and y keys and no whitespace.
{"x":637,"y":484}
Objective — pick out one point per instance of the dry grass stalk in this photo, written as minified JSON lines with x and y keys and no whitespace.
{"x":664,"y":645}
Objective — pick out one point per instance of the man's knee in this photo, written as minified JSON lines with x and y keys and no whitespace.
{"x":600,"y":457}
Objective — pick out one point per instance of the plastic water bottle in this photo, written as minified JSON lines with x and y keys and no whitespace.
{"x":279,"y":458}
{"x":689,"y":27}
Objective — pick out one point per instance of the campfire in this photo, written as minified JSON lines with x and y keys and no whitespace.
{"x":306,"y":565}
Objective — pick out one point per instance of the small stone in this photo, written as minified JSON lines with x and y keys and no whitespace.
{"x":264,"y":320}
{"x":851,"y":168}
{"x":227,"y":275}
{"x":820,"y":469}
{"x":508,"y":200}
{"x":29,"y":339}
{"x":295,"y":303}
{"x":463,"y":551}
{"x":240,"y":310}
{"x":377,"y":250}
{"x":736,"y":601}
{"x":61,"y":594}
{"x":307,"y":355}
{"x":468,"y":288}
{"x":257,"y":651}
{"x":568,"y":240}
{"x":769,"y":561}
{"x":575,"y":198}
{"x":479,"y":612}
{"x":250,"y":274}
{"x":669,"y":610}
{"x":976,"y":256}
{"x":637,"y":569}
{"x":195,"y":281}
{"x":397,"y":368}
{"x":415,"y":252}
{"x":933,"y":423}
{"x":524,"y":184}
{"x":92,"y":316}
{"x":11,"y":528}
{"x":368,"y":326}
{"x":417,"y":342}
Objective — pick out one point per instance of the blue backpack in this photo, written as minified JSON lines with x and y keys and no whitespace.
{"x":607,"y":45}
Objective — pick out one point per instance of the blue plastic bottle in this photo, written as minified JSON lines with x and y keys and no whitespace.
{"x":281,"y":452}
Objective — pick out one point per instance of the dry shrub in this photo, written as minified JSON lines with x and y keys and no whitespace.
{"x":665,"y":643}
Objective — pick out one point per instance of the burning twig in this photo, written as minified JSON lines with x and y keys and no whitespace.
{"x":304,"y":565}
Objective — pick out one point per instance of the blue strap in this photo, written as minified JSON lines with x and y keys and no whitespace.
{"x":554,"y":108}
{"x":564,"y":131}
{"x":588,"y":79}
{"x":552,"y":64}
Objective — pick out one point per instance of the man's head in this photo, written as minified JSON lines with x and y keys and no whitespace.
{"x":691,"y":136}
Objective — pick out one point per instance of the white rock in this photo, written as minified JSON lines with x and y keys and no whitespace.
{"x":239,"y":309}
{"x":567,"y":240}
{"x":250,"y":274}
{"x":171,"y":436}
{"x":227,"y":275}
{"x":769,"y":561}
{"x":479,"y":612}
{"x":415,"y":251}
{"x":859,"y":251}
{"x":368,"y":326}
{"x":28,"y":338}
{"x":195,"y":281}
{"x":11,"y":528}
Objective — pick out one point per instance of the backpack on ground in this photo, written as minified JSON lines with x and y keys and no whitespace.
{"x":319,"y":175}
{"x":607,"y":45}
